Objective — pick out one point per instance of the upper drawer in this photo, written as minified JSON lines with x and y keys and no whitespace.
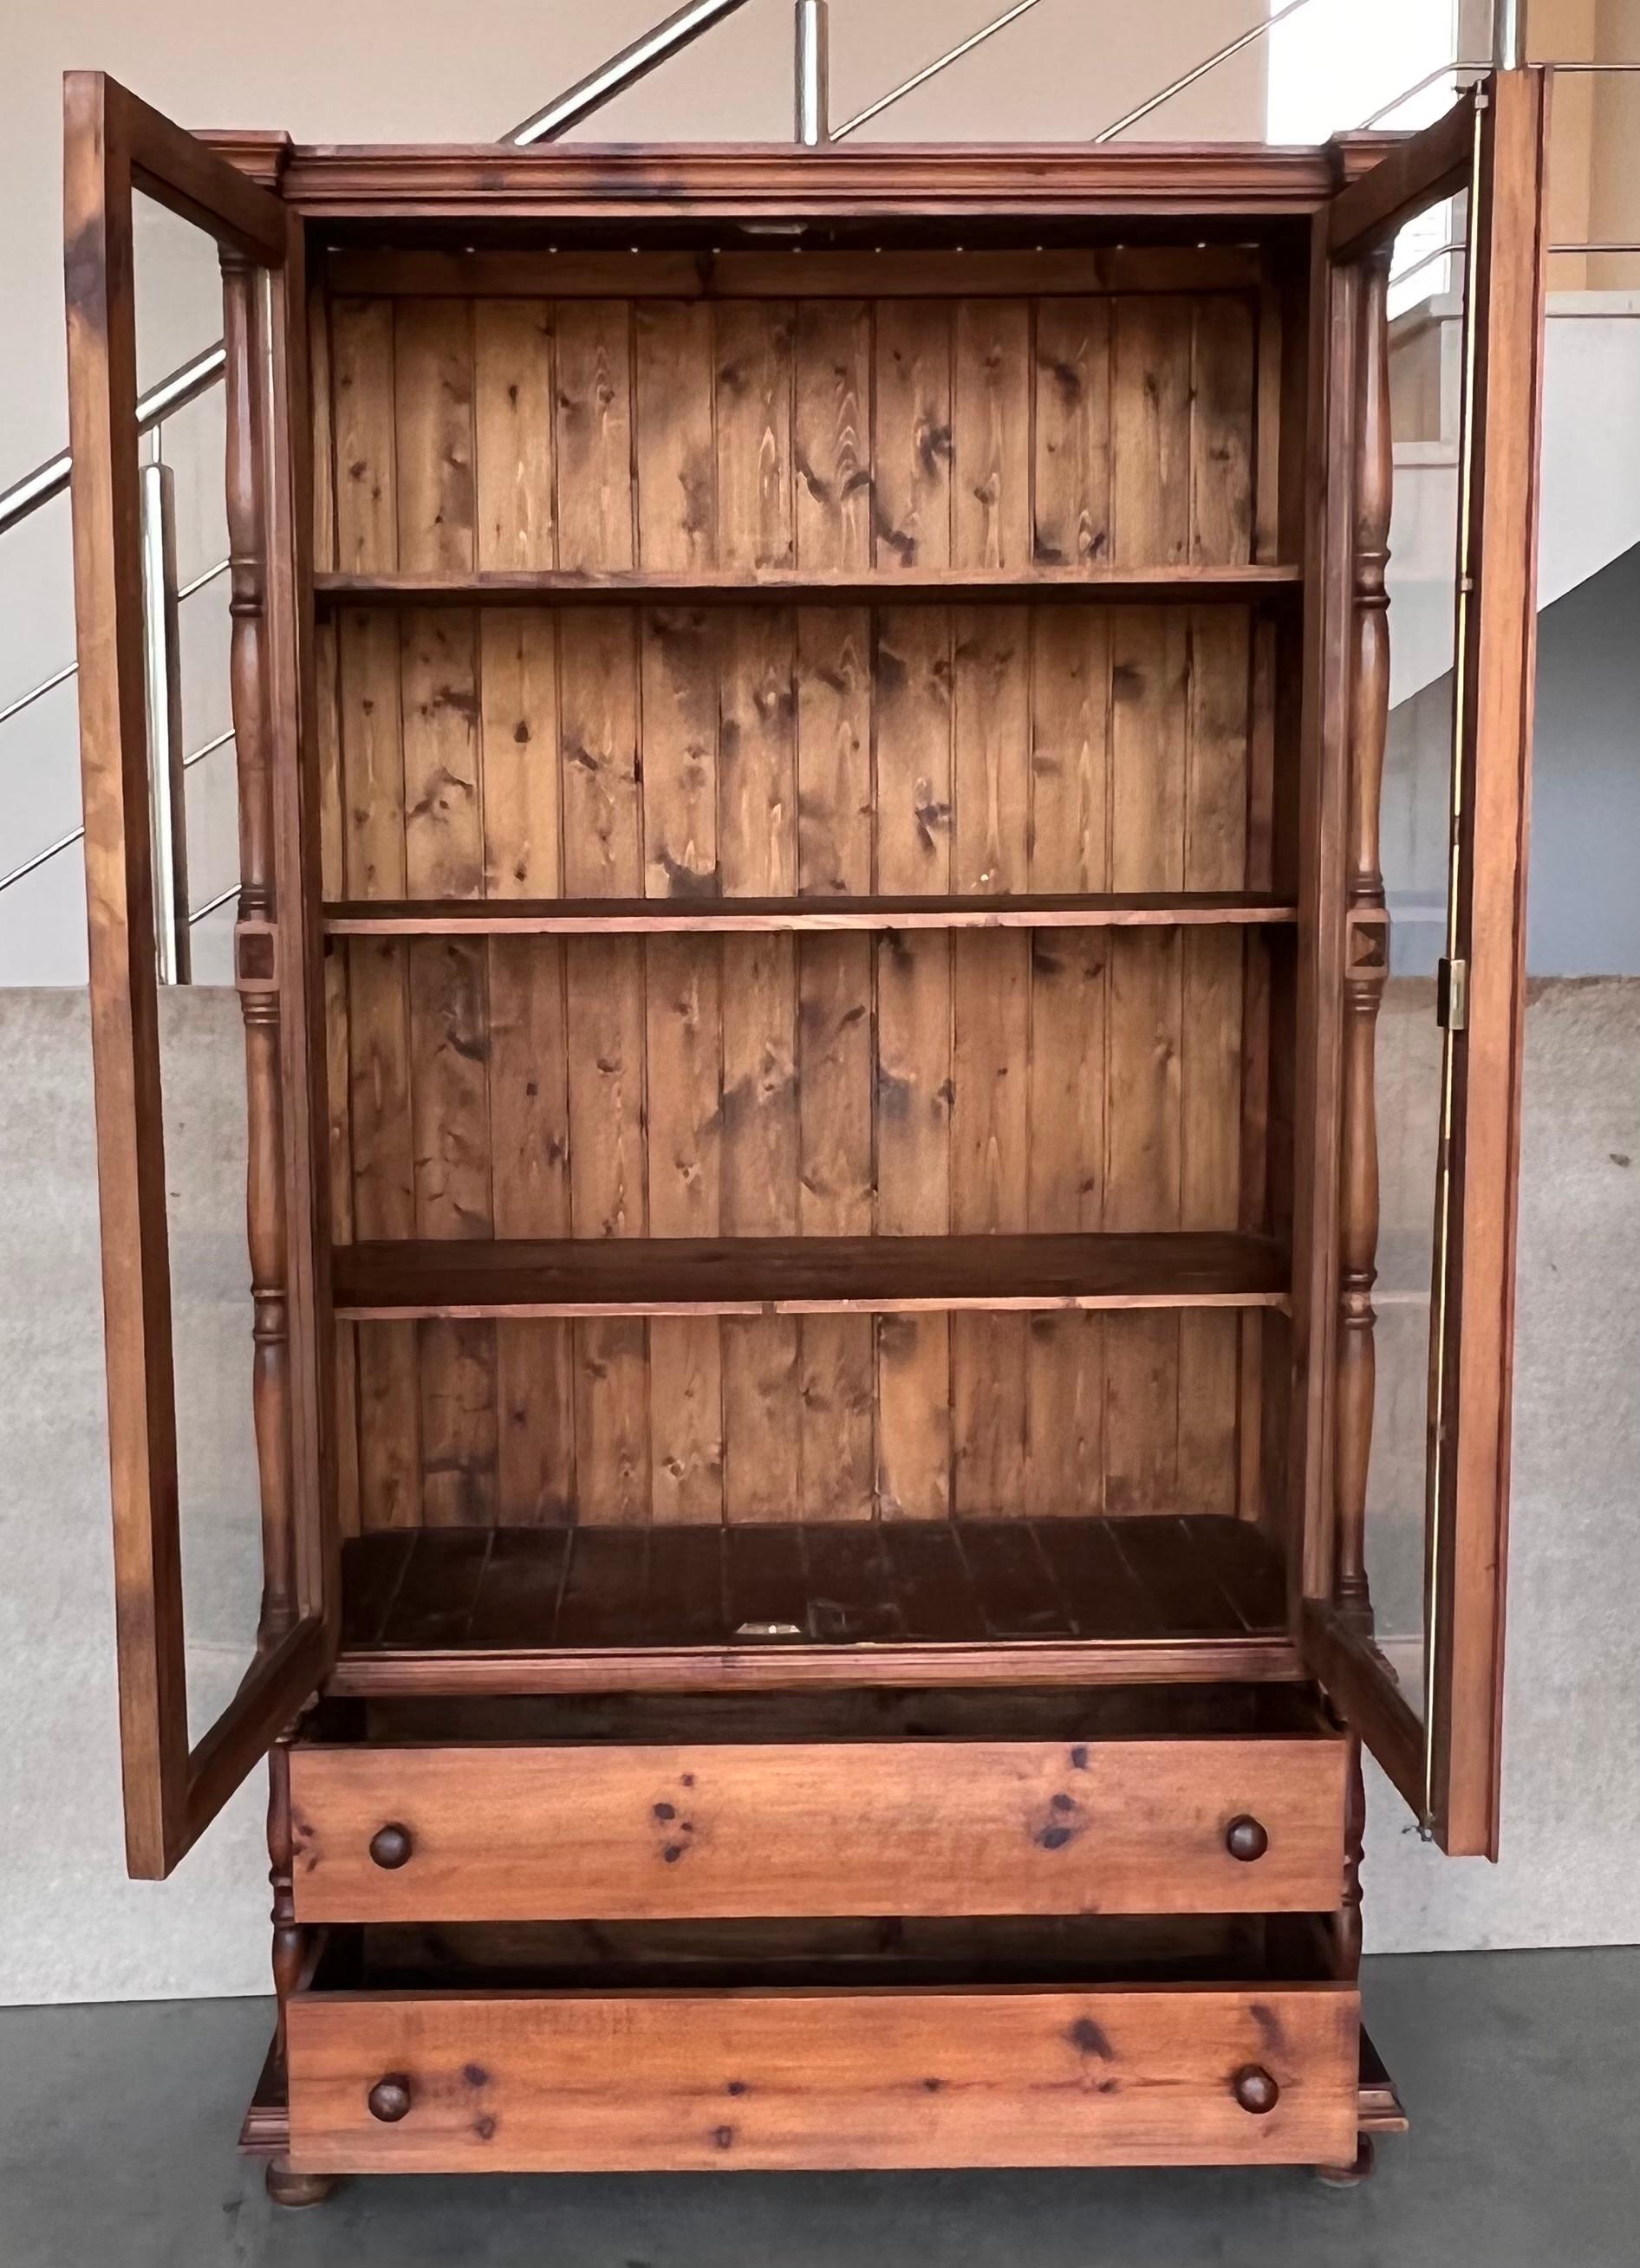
{"x":610,"y":1832}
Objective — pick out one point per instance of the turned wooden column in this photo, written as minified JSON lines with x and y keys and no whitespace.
{"x":1366,"y":957}
{"x":255,"y":936}
{"x":1347,"y":1921}
{"x":287,"y":1934}
{"x":285,"y":2185}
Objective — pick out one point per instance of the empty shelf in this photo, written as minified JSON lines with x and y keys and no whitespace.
{"x":798,"y":586}
{"x":813,"y":1275}
{"x":731,"y":916}
{"x":552,"y":1608}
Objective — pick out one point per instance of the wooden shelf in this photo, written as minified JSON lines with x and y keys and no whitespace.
{"x":740,"y":917}
{"x":553,"y":1609}
{"x":807,"y":1275}
{"x":797,"y":586}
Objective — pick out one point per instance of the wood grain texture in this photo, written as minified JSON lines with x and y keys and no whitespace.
{"x":792,"y":2079}
{"x":976,"y":1826}
{"x":721,"y":827}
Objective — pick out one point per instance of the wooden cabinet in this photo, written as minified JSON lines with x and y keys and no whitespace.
{"x":811,"y":734}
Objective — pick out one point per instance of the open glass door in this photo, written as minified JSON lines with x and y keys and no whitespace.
{"x":1422,"y":727}
{"x":193,"y":1720}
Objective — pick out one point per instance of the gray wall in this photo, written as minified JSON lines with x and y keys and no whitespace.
{"x":1571,"y":1864}
{"x":1583,"y":903}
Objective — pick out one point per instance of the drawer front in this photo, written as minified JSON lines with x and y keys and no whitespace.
{"x":560,"y":2082}
{"x":948,"y":1827}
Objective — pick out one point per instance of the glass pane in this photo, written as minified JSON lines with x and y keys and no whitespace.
{"x":1427,"y":300}
{"x":178,"y":296}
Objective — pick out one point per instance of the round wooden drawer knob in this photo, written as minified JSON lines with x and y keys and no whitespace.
{"x":390,"y":2099}
{"x":1255,"y":2090}
{"x":391,"y":1845}
{"x":1244,"y":1838}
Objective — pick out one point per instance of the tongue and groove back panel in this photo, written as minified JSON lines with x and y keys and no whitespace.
{"x":818,"y":1083}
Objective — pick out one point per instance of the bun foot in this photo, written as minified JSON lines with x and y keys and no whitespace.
{"x":1345,"y":2177}
{"x":287,"y":2187}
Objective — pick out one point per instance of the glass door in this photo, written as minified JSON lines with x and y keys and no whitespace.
{"x":224,"y":1535}
{"x":1421,"y":733}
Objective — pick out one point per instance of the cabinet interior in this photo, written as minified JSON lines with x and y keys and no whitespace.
{"x":809,"y":744}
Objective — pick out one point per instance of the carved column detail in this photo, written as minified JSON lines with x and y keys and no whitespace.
{"x":287,"y":1934}
{"x":1347,"y":1938}
{"x":256,"y":938}
{"x":1366,"y":959}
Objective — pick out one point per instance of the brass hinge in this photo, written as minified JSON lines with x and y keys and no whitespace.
{"x":1452,"y":996}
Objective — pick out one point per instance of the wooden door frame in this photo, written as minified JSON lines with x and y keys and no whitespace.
{"x":114,"y":145}
{"x":1450,"y":1771}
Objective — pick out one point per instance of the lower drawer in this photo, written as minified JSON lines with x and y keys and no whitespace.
{"x":559,"y":2082}
{"x":538,"y":1832}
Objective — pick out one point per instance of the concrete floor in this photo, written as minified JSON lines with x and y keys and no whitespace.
{"x":1521,"y":2070}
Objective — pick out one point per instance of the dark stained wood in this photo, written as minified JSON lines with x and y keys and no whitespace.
{"x":1221,"y":186}
{"x":552,"y":1610}
{"x":812,"y":1274}
{"x":1424,"y":169}
{"x":753,"y":916}
{"x":112,"y":144}
{"x":629,"y":1832}
{"x":748,"y":274}
{"x":1140,"y":584}
{"x":1509,"y":283}
{"x":849,"y":970}
{"x":543,"y":2081}
{"x":1366,"y":951}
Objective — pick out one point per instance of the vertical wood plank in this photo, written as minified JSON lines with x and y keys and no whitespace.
{"x":512,"y":427}
{"x":1071,"y":500}
{"x":911,"y":433}
{"x":1211,"y":1004}
{"x":685,"y":1074}
{"x":1147,"y":759}
{"x":518,"y":772}
{"x":990,"y":971}
{"x":673,"y":453}
{"x":832,"y":433}
{"x":753,"y":360}
{"x":366,"y":500}
{"x":758,"y":854}
{"x":834,"y":788}
{"x":593,"y":433}
{"x":373,"y":854}
{"x":1222,"y":437}
{"x":1070,"y":790}
{"x":836,"y":1199}
{"x":529,"y":1140}
{"x":991,"y":434}
{"x":679,"y":706}
{"x":602,"y":857}
{"x":757,"y":840}
{"x":913,"y":1072}
{"x":1150,"y":424}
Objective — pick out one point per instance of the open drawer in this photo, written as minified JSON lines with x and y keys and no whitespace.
{"x":711,"y":2045}
{"x":810,"y":2076}
{"x":904,"y":1808}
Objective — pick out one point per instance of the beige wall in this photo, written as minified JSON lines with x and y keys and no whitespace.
{"x":443,"y":70}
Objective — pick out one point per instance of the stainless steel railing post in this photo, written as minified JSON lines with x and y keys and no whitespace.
{"x":813,"y":74}
{"x":163,"y":669}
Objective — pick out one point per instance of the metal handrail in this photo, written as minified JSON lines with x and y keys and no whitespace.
{"x":633,"y":62}
{"x":932,"y":70}
{"x":1188,"y":78}
{"x":1429,"y":79}
{"x":184,"y":385}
